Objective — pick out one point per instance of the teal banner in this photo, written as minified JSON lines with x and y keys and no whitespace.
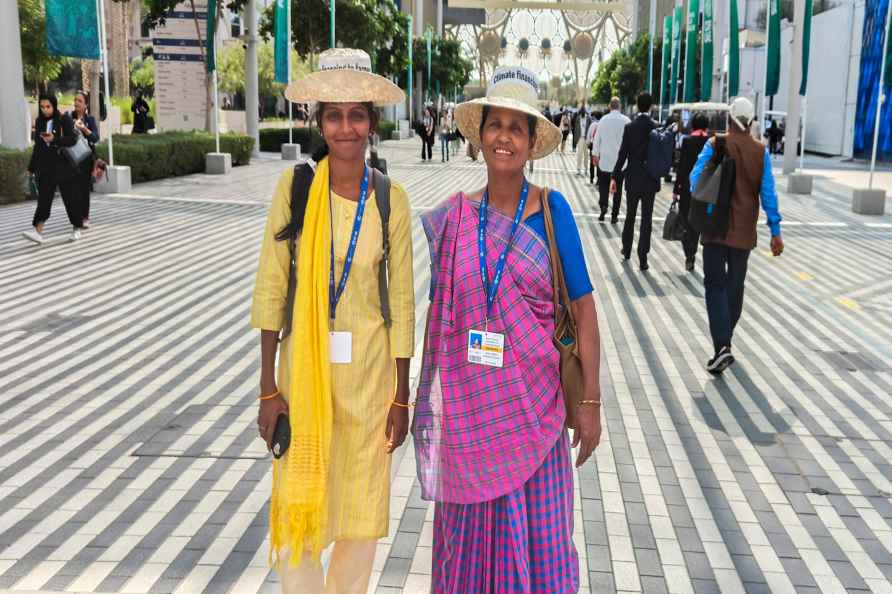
{"x":733,"y":52}
{"x":706,"y":55}
{"x":72,"y":28}
{"x":806,"y":46}
{"x":666,"y":61}
{"x":690,"y":58}
{"x":676,"y":53}
{"x":772,"y":78}
{"x":282,"y":41}
{"x":211,"y":35}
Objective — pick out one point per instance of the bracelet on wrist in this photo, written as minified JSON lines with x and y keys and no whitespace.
{"x":594,"y":402}
{"x":400,"y":404}
{"x":269,"y":396}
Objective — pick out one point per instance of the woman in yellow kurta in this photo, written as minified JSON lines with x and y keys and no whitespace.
{"x":343,"y":372}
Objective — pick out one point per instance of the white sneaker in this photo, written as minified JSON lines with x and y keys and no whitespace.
{"x":86,"y":223}
{"x":75,"y":235}
{"x":34,"y":236}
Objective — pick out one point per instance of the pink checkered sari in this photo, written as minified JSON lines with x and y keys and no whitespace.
{"x":481,"y":432}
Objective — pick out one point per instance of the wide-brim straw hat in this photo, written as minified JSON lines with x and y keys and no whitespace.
{"x":345,"y":76}
{"x":516,"y":88}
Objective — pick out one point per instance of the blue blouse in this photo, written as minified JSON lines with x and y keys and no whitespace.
{"x":569,"y":244}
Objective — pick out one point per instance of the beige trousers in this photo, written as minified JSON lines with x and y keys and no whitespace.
{"x":348,"y":571}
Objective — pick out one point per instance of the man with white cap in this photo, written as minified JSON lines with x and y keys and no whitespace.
{"x":725,"y":257}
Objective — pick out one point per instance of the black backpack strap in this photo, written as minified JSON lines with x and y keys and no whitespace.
{"x":300,"y":191}
{"x":382,"y":199}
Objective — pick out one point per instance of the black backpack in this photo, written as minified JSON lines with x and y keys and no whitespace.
{"x":300,"y":191}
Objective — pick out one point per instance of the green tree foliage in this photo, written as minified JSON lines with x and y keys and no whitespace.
{"x":142,"y":75}
{"x":39,"y":65}
{"x":231,"y":69}
{"x":376,"y":26}
{"x":624,"y":74}
{"x":448,"y":66}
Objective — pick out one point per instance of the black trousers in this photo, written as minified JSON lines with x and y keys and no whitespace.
{"x":647,"y":215}
{"x":604,"y":178}
{"x":591,"y":171}
{"x":427,"y":147}
{"x":46,"y":191}
{"x":724,"y":276}
{"x":83,"y":185}
{"x":691,"y":237}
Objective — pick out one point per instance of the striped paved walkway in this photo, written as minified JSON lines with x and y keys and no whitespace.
{"x":128,"y":460}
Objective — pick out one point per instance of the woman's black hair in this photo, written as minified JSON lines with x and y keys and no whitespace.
{"x":531,"y":123}
{"x":41,"y":119}
{"x":699,"y":121}
{"x":86,"y":97}
{"x":318,"y":151}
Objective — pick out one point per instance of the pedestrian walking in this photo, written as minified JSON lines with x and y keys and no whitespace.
{"x":349,"y":344}
{"x":85,"y":125}
{"x":774,"y":137}
{"x":445,"y":134}
{"x":583,"y":150}
{"x":428,"y":126}
{"x":53,"y":132}
{"x":725,"y":258}
{"x":606,"y":144}
{"x":578,"y":114}
{"x":489,"y":428}
{"x":641,"y":187}
{"x":141,"y":117}
{"x":565,"y":129}
{"x":591,"y":130}
{"x":691,"y":147}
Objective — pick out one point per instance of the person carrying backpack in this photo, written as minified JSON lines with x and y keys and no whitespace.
{"x":336,"y":260}
{"x":641,"y":186}
{"x":725,"y":256}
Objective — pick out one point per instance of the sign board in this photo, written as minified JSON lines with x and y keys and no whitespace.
{"x":180,"y":91}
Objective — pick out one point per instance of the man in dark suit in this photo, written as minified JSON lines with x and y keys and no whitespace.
{"x":640,"y":186}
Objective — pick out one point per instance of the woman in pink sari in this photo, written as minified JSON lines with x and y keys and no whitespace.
{"x":492,"y":448}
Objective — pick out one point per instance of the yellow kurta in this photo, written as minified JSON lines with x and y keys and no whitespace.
{"x":359,"y":476}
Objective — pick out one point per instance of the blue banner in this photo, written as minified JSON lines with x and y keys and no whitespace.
{"x":872,"y":43}
{"x":283,"y":27}
{"x":72,"y":28}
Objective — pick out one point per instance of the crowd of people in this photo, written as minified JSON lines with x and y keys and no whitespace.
{"x":512,"y":347}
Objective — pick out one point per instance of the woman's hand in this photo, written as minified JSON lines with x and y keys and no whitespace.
{"x":397,"y":427}
{"x":267,"y":417}
{"x":588,"y":433}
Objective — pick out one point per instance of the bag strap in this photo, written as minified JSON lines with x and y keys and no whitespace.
{"x":558,"y":281}
{"x":382,"y":199}
{"x":300,"y":191}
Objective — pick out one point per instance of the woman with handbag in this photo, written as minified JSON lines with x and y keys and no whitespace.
{"x":690,"y":150}
{"x":492,"y":448}
{"x":86,"y":126}
{"x":53,"y":132}
{"x":348,"y":410}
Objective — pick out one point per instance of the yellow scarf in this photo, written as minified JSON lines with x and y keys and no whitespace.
{"x":298,"y":505}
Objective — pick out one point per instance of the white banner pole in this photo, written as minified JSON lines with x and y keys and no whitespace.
{"x":104,"y":51}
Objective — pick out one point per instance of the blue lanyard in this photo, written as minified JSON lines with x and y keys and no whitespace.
{"x":334,"y":296}
{"x":492,"y":290}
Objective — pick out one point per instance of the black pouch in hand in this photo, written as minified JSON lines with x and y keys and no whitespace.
{"x":281,"y":436}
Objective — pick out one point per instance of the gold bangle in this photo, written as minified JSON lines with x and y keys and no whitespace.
{"x":400,"y":404}
{"x":595,"y":402}
{"x":269,"y":396}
